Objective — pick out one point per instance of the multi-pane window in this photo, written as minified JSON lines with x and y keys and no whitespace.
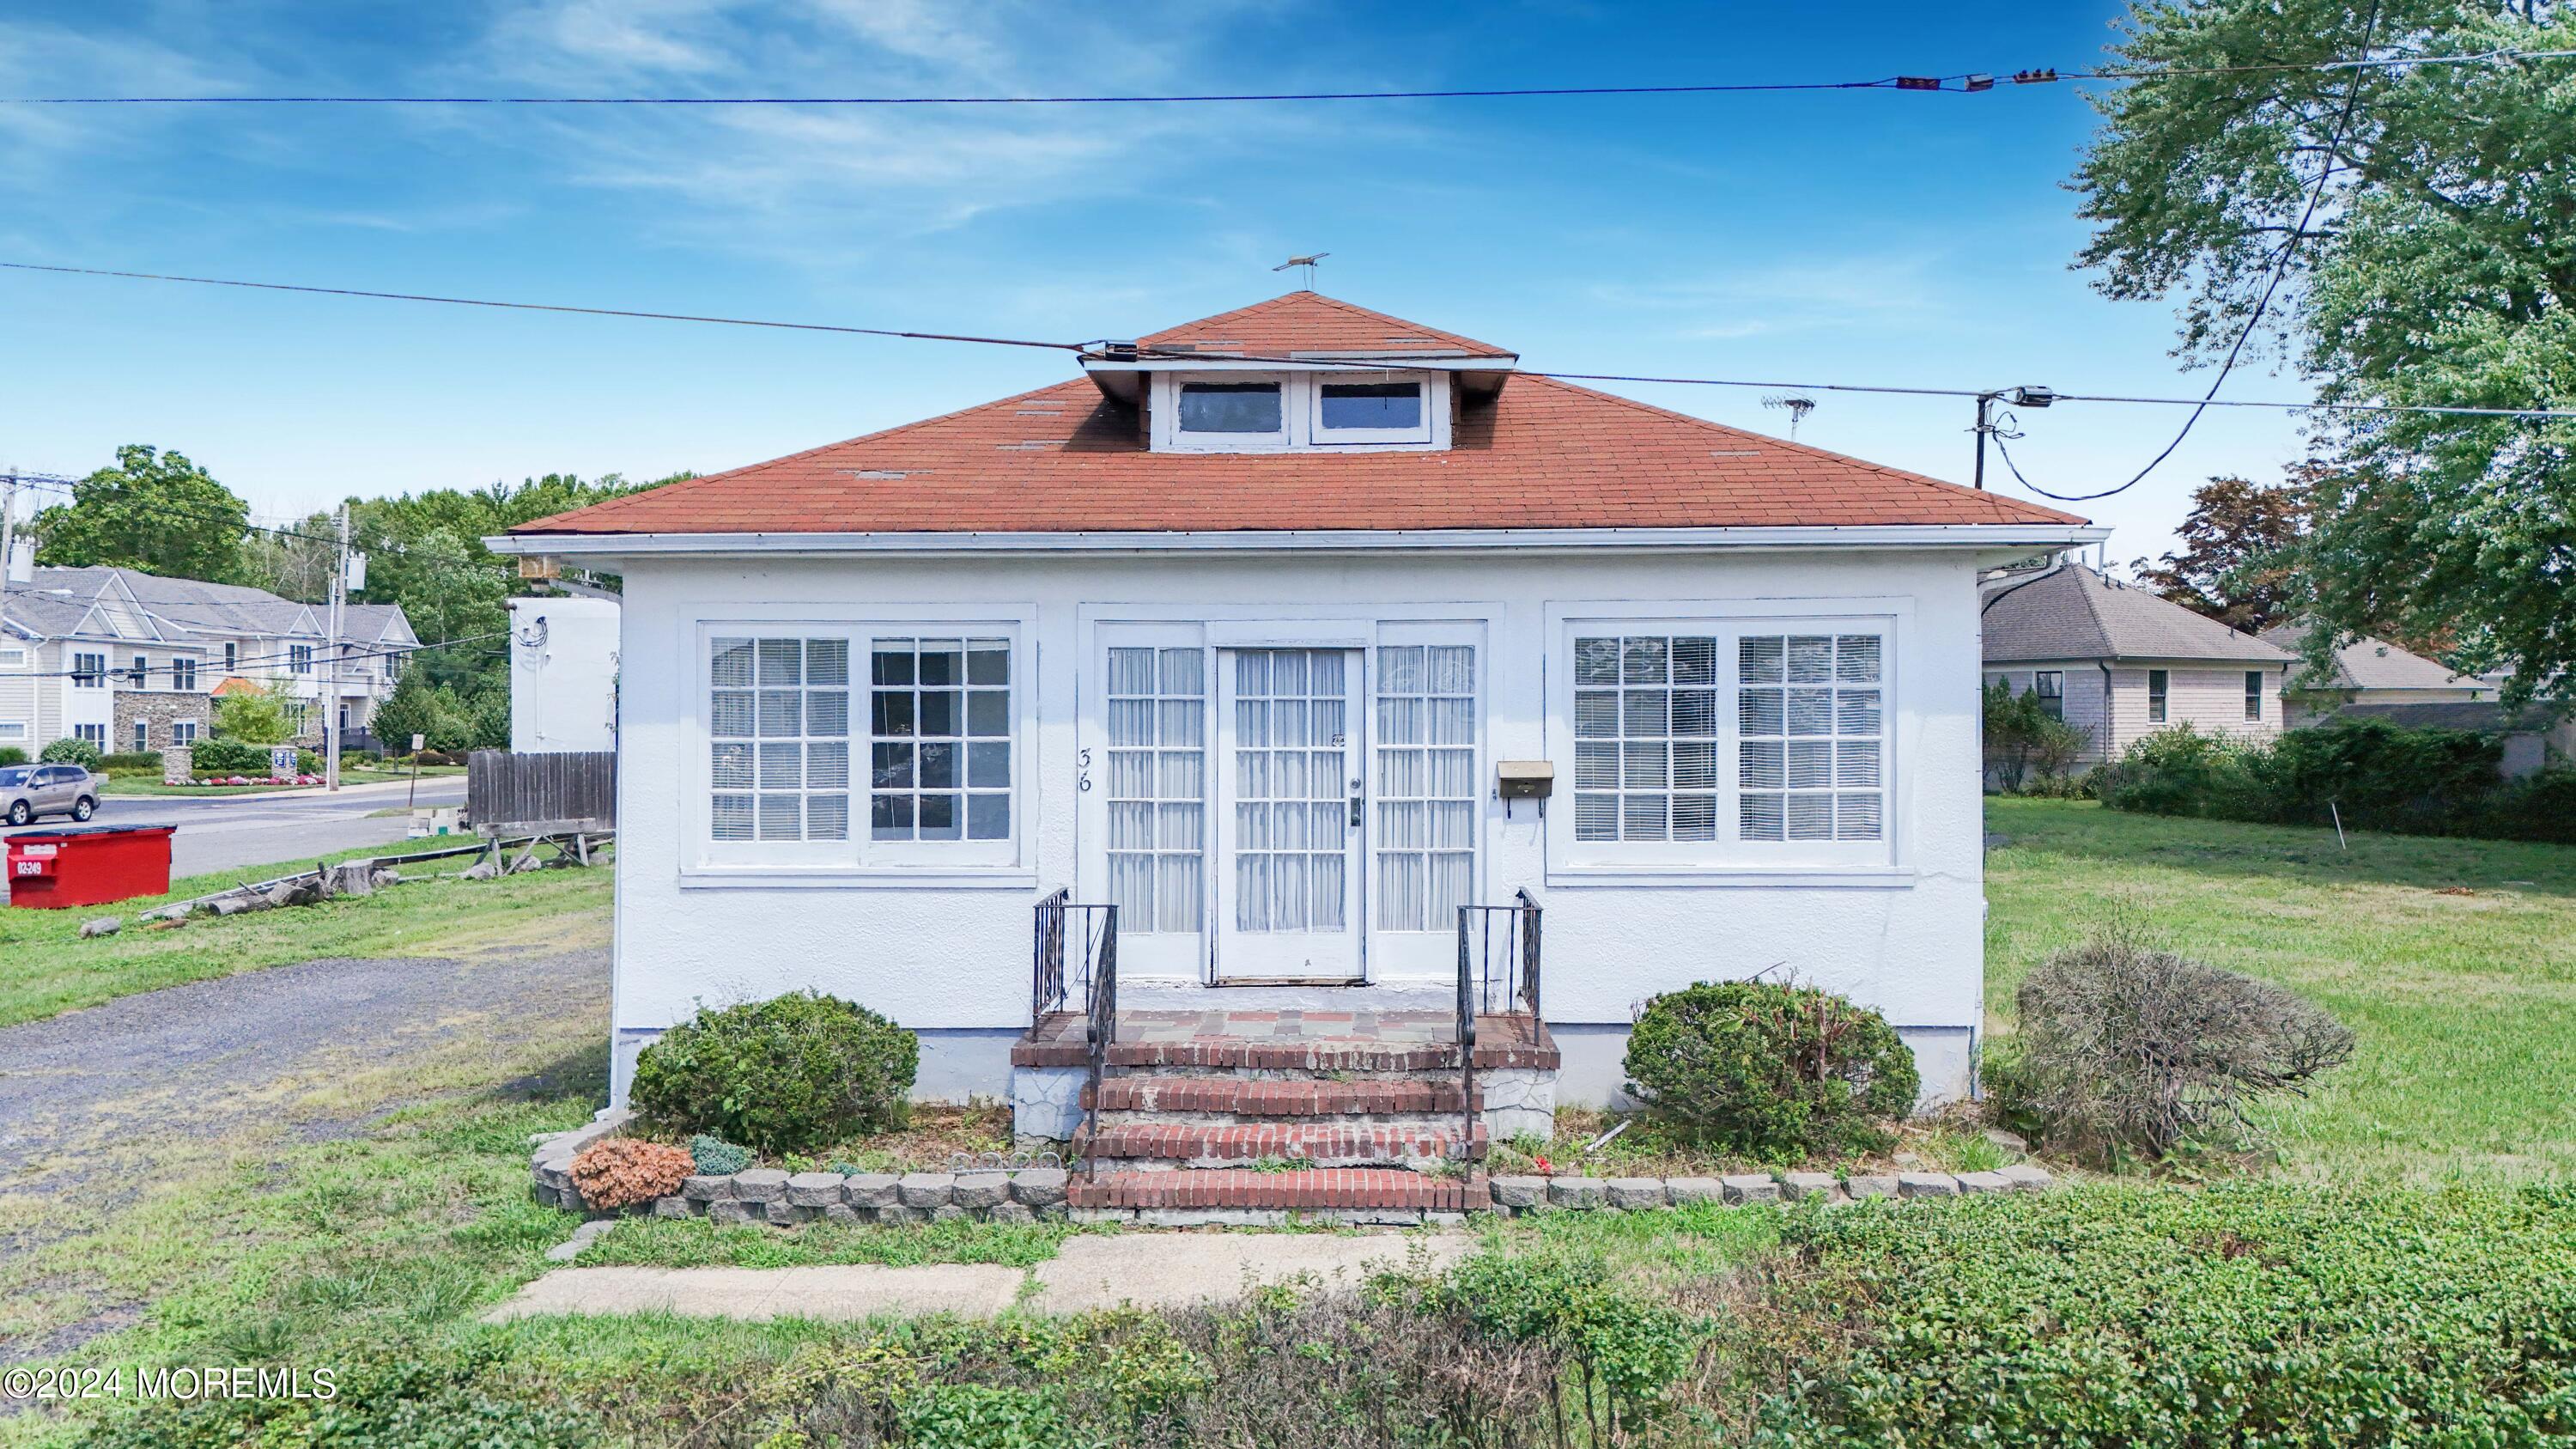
{"x":142,"y":735}
{"x":142,"y":671}
{"x":1157,"y":786}
{"x":2253,"y":694}
{"x":778,"y":714}
{"x":1426,"y":784}
{"x":89,"y":671}
{"x":232,"y":657}
{"x":2050,"y":684}
{"x":299,"y":657}
{"x":1291,"y":854}
{"x":1645,"y":737}
{"x":297,"y":712}
{"x":1230,"y":407}
{"x":183,"y":732}
{"x":939,"y":726}
{"x":183,"y":675}
{"x":2157,"y":684}
{"x":96,"y":734}
{"x":1808,"y":726}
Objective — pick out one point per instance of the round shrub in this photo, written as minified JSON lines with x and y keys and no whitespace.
{"x":71,"y":750}
{"x":783,"y":1075}
{"x":228,"y":757}
{"x":1777,"y":1072}
{"x":621,"y":1172}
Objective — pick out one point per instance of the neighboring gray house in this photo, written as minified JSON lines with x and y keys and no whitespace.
{"x":132,"y":661}
{"x":2369,"y":671}
{"x":2122,"y":662}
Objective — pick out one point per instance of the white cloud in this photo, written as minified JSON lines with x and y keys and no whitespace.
{"x":1845,"y":292}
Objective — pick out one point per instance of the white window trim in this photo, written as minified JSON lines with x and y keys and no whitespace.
{"x":93,"y":677}
{"x":1300,"y":415}
{"x":13,"y":729}
{"x":15,"y":658}
{"x":1885,"y":862}
{"x":860,"y":862}
{"x":1430,"y":429}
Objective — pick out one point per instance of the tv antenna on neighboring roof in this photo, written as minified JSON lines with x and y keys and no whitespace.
{"x":1306,"y":262}
{"x":1798,"y":408}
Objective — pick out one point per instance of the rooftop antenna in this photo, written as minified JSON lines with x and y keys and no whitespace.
{"x":1798,"y":408}
{"x":1308,"y":263}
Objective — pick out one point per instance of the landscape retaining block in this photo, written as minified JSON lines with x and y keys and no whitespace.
{"x":1682,"y":1191}
{"x":1038,"y":1186}
{"x":1575,"y":1192}
{"x":728,"y":1212}
{"x":1799,"y":1186}
{"x":1518,"y":1192}
{"x":975,"y":1190}
{"x":870,"y":1190}
{"x":1984,"y":1182}
{"x":1750,"y":1187}
{"x":814,"y":1189}
{"x":1870,"y":1184}
{"x":925,"y":1189}
{"x":760,"y":1184}
{"x":1634,"y":1193}
{"x":1926,"y":1184}
{"x":706,"y":1189}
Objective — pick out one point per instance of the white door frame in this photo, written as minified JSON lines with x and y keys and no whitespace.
{"x":1292,"y":956}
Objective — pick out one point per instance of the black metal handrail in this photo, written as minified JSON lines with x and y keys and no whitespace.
{"x":1518,"y":978}
{"x":1104,"y":1027}
{"x":1088,"y":982}
{"x":1498,"y":953}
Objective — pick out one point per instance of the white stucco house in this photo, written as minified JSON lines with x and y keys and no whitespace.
{"x":563,"y":671}
{"x":1239,"y":630}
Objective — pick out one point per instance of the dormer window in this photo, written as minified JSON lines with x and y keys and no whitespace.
{"x":1311,"y":408}
{"x":1371,"y":412}
{"x":1236,"y":408}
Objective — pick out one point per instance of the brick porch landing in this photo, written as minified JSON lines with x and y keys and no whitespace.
{"x":1290,"y":1039}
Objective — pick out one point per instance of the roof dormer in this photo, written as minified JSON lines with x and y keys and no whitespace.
{"x":1280,"y":408}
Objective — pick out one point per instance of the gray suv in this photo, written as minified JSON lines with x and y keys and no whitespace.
{"x":27,"y":791}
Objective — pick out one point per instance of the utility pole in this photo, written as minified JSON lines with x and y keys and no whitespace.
{"x":8,"y":557}
{"x":331,"y":705}
{"x":2020,"y":397}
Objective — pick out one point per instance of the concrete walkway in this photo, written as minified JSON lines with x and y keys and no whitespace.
{"x":1157,"y":1271}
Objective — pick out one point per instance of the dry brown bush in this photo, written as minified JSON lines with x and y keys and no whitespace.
{"x":620,"y":1172}
{"x":2125,"y":1047}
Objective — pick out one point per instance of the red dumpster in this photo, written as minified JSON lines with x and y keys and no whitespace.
{"x":88,"y":865}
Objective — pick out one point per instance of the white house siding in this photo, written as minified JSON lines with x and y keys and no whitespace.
{"x":2210,"y":698}
{"x":2086,"y":705}
{"x":952,"y":960}
{"x":563,"y":674}
{"x":27,"y":699}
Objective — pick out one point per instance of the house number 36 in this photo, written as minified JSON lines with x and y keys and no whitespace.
{"x":1082,"y":776}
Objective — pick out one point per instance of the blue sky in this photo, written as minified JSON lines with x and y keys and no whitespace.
{"x":1871,"y":237}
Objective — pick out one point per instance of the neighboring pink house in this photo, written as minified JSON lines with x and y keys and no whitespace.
{"x":2123,"y":662}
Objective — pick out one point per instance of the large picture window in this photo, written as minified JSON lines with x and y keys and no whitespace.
{"x":1760,"y":742}
{"x":779,"y":739}
{"x":1808,"y":719}
{"x":940,"y":747}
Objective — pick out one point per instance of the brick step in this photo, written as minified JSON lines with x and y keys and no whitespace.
{"x":1317,"y":1188}
{"x":1255,"y":1054}
{"x":1272,"y":1097}
{"x":1317,"y":1144}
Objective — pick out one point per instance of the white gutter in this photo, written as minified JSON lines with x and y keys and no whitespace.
{"x":1449,"y":540}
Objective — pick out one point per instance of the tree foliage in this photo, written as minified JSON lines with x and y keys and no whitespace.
{"x":2239,"y":562}
{"x":255,"y":717}
{"x":2438,"y":270}
{"x":153,"y":511}
{"x":2021,"y":737}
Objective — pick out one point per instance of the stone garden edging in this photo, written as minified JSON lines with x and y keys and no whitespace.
{"x":782,"y":1199}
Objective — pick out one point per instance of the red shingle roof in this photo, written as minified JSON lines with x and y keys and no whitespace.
{"x":1312,"y":322}
{"x":1543,"y":455}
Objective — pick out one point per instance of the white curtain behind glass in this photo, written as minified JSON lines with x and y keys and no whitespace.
{"x":1157,"y":786}
{"x":1290,"y":847}
{"x":1426,"y":785}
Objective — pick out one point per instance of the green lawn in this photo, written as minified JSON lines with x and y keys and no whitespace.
{"x":52,"y":970}
{"x":2453,"y":960}
{"x":133,"y":784}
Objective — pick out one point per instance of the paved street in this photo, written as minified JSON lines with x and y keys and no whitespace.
{"x":228,"y":832}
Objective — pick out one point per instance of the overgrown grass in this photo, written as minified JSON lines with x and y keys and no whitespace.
{"x":2453,"y":960}
{"x":52,"y":970}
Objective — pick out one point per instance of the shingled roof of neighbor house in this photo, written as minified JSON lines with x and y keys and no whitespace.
{"x":2073,"y":612}
{"x":2367,"y":663}
{"x":1541,"y":454}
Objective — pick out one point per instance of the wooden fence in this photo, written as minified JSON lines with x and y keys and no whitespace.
{"x":541,"y":793}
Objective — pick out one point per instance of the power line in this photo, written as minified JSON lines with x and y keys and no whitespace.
{"x":2262,"y":304}
{"x":546,"y":307}
{"x":1955,"y":84}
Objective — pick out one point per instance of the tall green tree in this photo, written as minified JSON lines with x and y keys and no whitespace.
{"x":2437,"y":266}
{"x":153,"y":511}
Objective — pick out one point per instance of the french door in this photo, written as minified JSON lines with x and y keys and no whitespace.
{"x":1290,"y":796}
